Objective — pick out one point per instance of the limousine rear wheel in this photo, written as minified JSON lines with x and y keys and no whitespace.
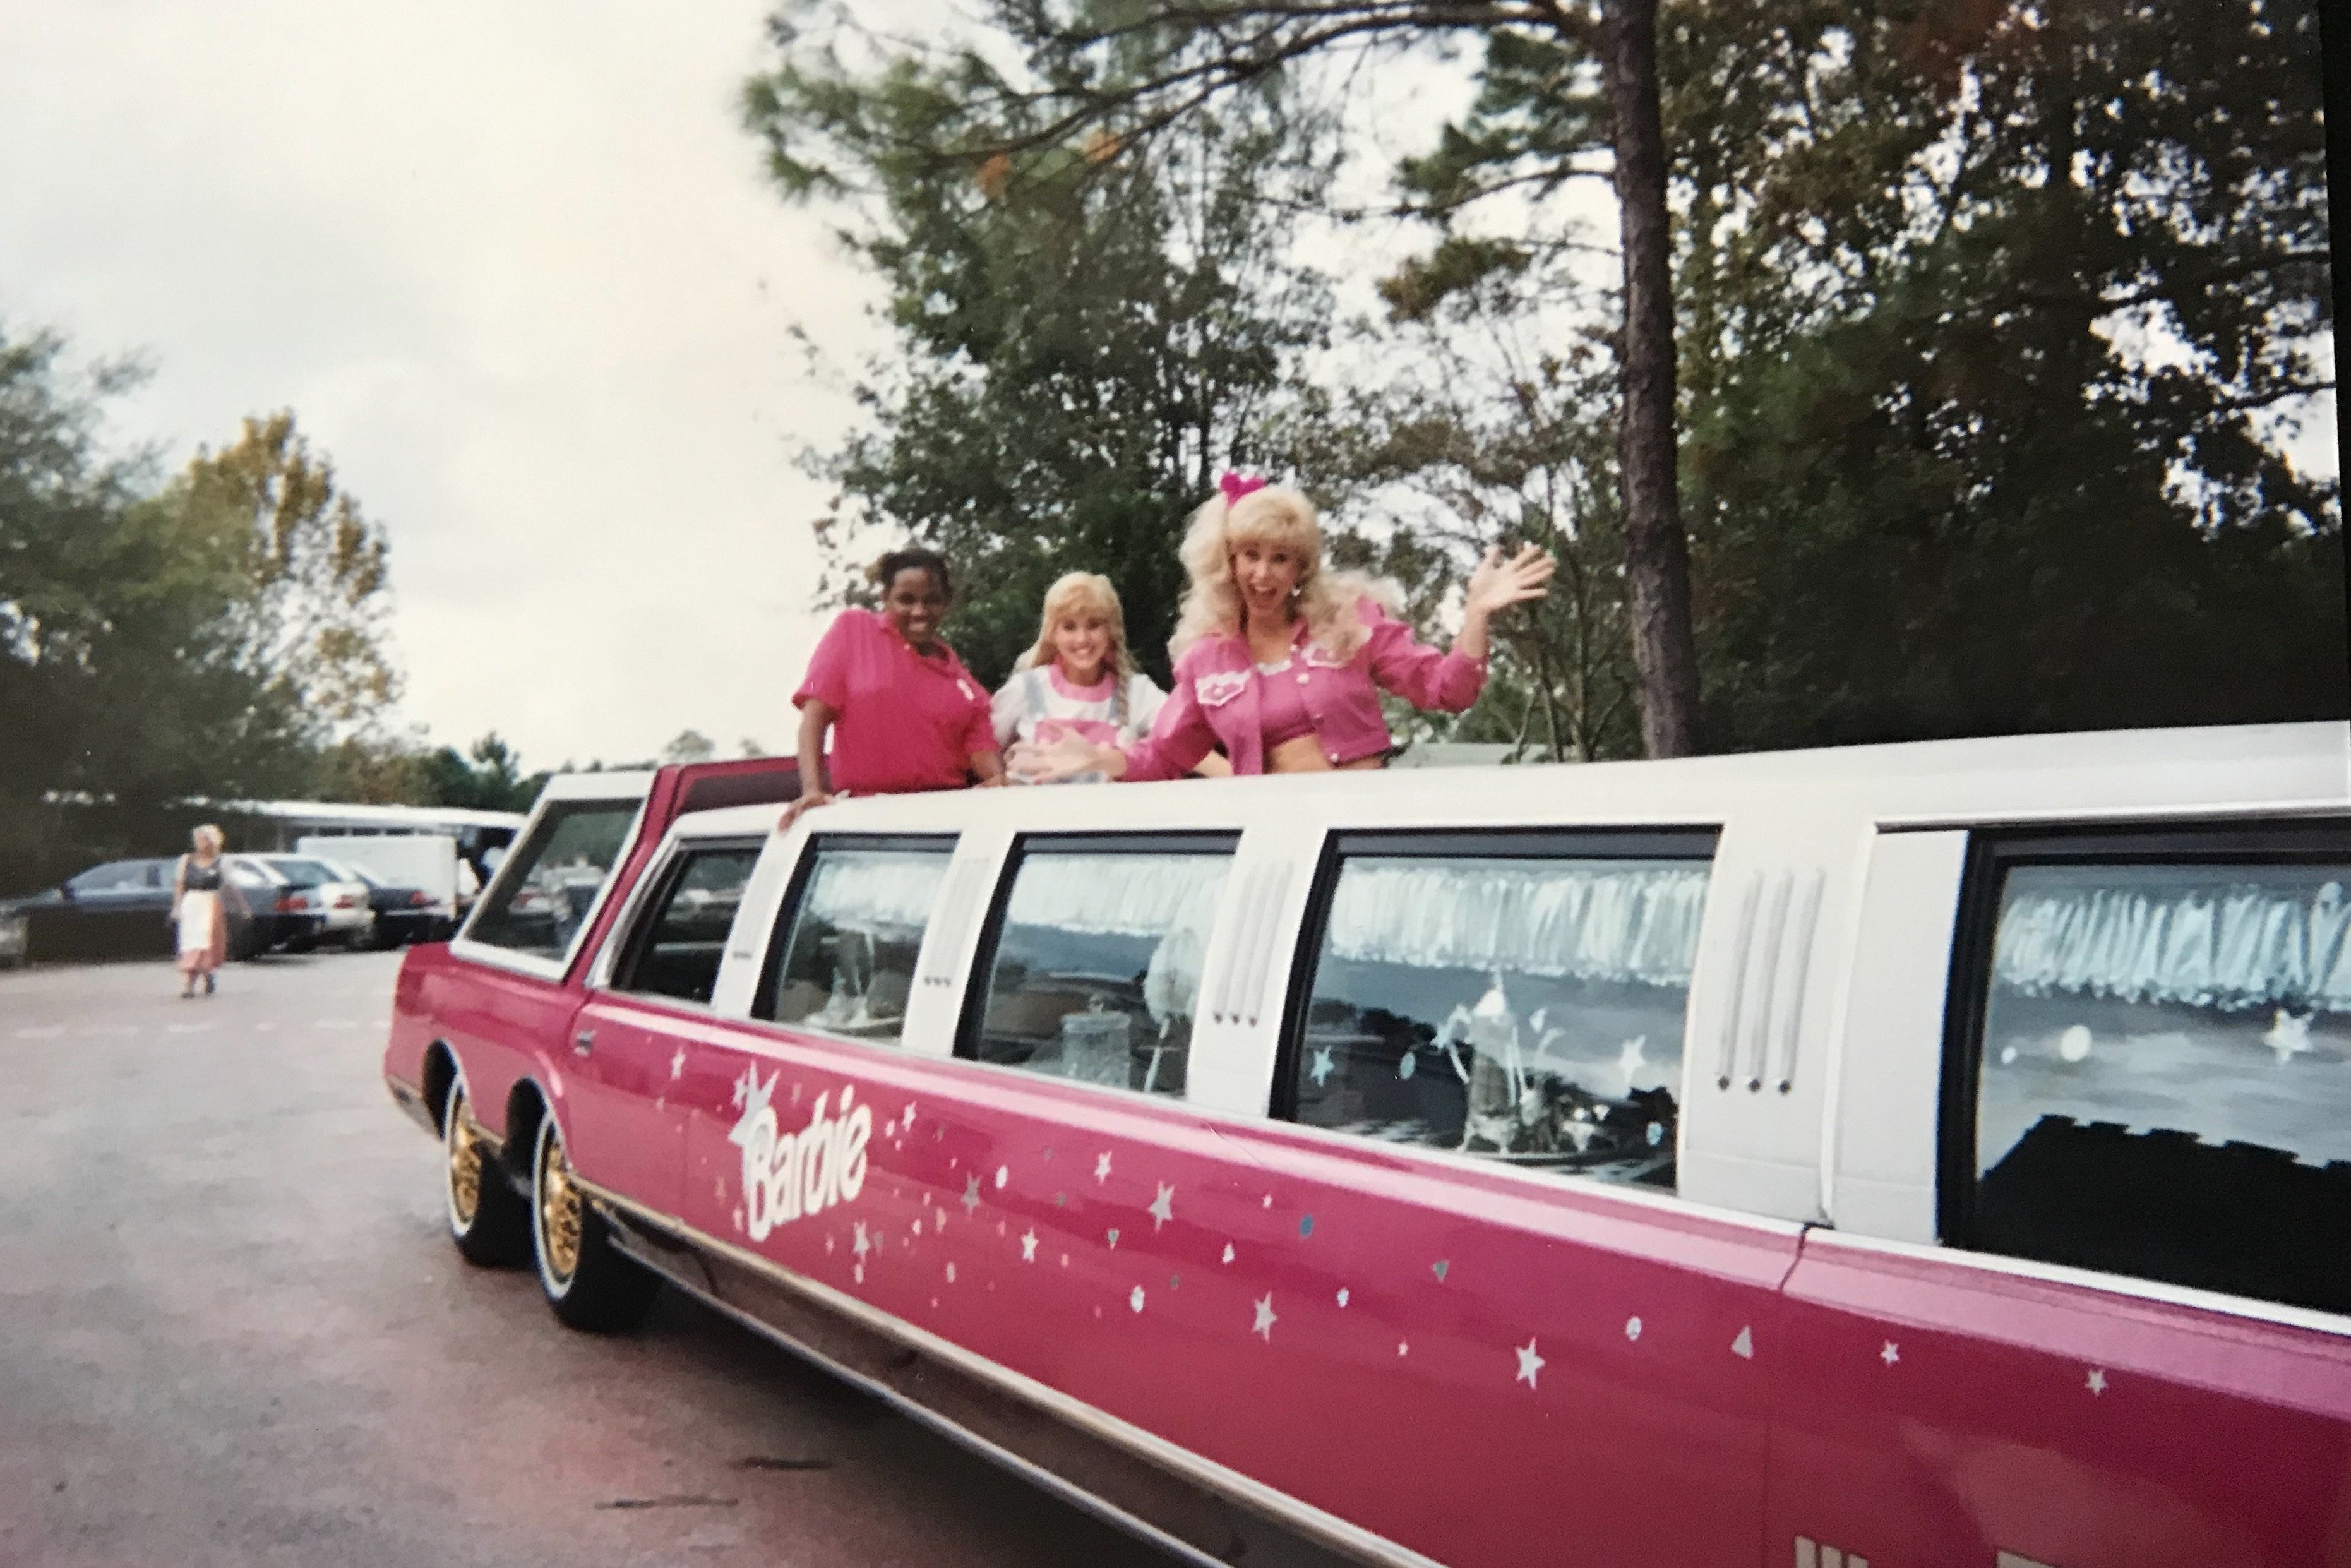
{"x":587,"y":1280}
{"x":487,"y":1218}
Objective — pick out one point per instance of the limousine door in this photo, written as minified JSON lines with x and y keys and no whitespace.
{"x":510,"y":1018}
{"x":2086,"y":1303}
{"x":647,"y":1007}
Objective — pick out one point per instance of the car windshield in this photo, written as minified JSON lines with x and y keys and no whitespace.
{"x":304,"y":873}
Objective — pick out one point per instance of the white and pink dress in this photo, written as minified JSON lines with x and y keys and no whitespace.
{"x":1039,"y":704}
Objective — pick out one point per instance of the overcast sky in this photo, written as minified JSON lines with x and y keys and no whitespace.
{"x":515,"y":269}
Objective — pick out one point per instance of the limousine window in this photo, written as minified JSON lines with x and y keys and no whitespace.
{"x":844,"y":957}
{"x":1093,"y":961}
{"x":2164,"y":1084}
{"x":676,"y":947}
{"x":550,"y":880}
{"x":1520,"y":998}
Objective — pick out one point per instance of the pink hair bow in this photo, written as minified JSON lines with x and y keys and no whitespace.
{"x":1235,"y":486}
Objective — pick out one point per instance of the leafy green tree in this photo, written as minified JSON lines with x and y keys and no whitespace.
{"x":1087,"y":331}
{"x":487,"y":777}
{"x":122,"y":688}
{"x":311,"y":620}
{"x":1991,"y":316}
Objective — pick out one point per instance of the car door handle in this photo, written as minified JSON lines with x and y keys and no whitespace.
{"x":583,"y":1042}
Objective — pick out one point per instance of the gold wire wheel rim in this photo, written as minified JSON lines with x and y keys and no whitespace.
{"x":465,"y":1163}
{"x":558,"y":1212}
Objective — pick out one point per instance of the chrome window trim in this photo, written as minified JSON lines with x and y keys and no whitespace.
{"x":2244,"y":1308}
{"x":676,"y":846}
{"x":463,"y":946}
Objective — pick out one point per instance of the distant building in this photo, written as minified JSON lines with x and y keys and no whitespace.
{"x":281,"y":822}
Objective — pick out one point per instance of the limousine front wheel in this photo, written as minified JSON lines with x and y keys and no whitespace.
{"x":487,"y":1218}
{"x":587,"y":1280}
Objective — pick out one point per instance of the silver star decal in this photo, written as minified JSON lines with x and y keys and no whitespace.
{"x":1101,"y":1168}
{"x":1891,"y":1354}
{"x":1163,"y":1208}
{"x":1028,"y":1247}
{"x":1266,"y":1318}
{"x":1530,"y":1364}
{"x":2097,"y":1380}
{"x":1323,"y":1066}
{"x":970,"y":1194}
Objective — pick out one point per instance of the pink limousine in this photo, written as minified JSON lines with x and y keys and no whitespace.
{"x":1932,"y":1155}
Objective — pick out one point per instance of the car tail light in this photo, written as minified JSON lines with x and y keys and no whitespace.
{"x":290,"y":904}
{"x":345,"y":900}
{"x":419,"y":899}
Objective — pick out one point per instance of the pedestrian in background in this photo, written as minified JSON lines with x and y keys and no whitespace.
{"x":197,"y":916}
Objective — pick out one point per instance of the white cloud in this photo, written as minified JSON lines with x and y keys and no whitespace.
{"x":515,"y":269}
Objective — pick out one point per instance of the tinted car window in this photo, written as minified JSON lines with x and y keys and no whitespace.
{"x":2164,"y":1075}
{"x":844,"y":956}
{"x":304,"y":873}
{"x":115,"y":876}
{"x":677,"y":949}
{"x":1527,"y":1005}
{"x":550,"y":882}
{"x":1093,"y":973}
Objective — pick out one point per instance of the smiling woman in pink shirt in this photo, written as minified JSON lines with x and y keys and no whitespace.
{"x":1280,"y":664}
{"x":903,"y":711}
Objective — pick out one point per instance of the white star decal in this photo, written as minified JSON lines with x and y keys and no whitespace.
{"x":860,"y":1273}
{"x":1343,"y":1295}
{"x":1530,"y":1364}
{"x":1163,"y":1208}
{"x":950,"y":1273}
{"x":1028,"y":1247}
{"x":1003,"y":1175}
{"x":1135,"y":1299}
{"x":828,"y":1246}
{"x":744,"y":1084}
{"x":1101,"y":1168}
{"x":1266,"y":1318}
{"x":906,"y":1117}
{"x":1322,"y":1066}
{"x":1632,"y":1328}
{"x":970,"y":1194}
{"x":862,"y":1244}
{"x":1113,"y":1239}
{"x":1408,"y":1066}
{"x":1229,"y":1251}
{"x":1891,"y":1354}
{"x":677,"y":1064}
{"x":2097,"y":1380}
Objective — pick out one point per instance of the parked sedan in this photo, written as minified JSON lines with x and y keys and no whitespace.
{"x":123,"y":909}
{"x":318,"y":887}
{"x":402,"y":914}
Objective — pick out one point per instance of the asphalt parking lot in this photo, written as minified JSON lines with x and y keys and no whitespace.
{"x":232,"y":1332}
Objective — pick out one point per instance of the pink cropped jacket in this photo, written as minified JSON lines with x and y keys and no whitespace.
{"x":1216,"y":700}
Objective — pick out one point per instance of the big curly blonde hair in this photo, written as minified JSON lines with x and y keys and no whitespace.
{"x":1073,"y":594}
{"x":1326,"y":600}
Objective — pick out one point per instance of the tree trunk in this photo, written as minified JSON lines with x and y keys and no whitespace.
{"x":1657,"y":550}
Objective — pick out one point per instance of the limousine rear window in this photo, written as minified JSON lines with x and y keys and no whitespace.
{"x":2158,"y":1066}
{"x":1092,"y":958}
{"x":675,"y":949}
{"x":1516,"y":996}
{"x":842,"y":958}
{"x":548,"y":885}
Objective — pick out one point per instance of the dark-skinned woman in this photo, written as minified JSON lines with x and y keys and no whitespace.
{"x":902,"y":711}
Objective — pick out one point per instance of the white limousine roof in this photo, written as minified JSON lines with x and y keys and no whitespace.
{"x":2260,"y":770}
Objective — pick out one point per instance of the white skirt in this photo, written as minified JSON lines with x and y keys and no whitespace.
{"x":200,"y":912}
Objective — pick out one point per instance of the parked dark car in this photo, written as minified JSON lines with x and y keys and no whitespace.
{"x":123,"y":909}
{"x":402,"y":914}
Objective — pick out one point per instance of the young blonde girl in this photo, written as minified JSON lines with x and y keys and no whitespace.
{"x":1078,"y":679}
